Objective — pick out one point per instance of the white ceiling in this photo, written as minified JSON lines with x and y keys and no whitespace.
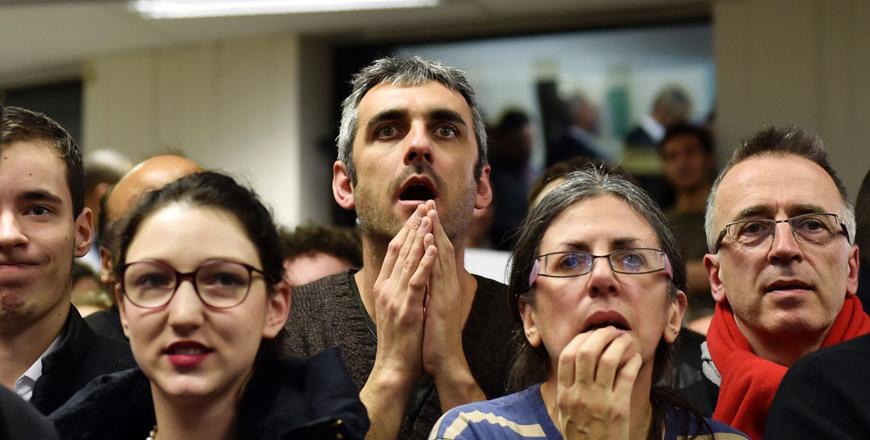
{"x":44,"y":39}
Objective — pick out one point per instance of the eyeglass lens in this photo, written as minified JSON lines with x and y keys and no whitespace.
{"x":219,"y":284}
{"x":811,"y":228}
{"x":623,"y":261}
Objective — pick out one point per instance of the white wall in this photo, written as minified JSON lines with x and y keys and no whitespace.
{"x":234,"y":106}
{"x":804,"y":62}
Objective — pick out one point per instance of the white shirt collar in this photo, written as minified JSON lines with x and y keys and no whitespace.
{"x":589,"y":140}
{"x":652,"y":128}
{"x":24,"y":384}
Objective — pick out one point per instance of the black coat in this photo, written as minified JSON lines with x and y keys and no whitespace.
{"x":824,"y":395}
{"x":107,"y":323}
{"x":311,"y":398}
{"x":19,"y":420}
{"x":80,"y":356}
{"x":569,"y":147}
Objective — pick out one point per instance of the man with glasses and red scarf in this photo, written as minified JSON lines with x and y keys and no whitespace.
{"x":783,"y":270}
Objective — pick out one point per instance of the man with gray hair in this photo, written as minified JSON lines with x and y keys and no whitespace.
{"x":418,"y":333}
{"x":783,"y":271}
{"x":671,"y":106}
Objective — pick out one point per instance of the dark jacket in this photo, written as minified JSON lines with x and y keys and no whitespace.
{"x":19,"y":420}
{"x":311,"y":398}
{"x":702,"y":394}
{"x":80,"y":356}
{"x":107,"y":323}
{"x":568,"y":147}
{"x":824,"y":395}
{"x":687,"y":367}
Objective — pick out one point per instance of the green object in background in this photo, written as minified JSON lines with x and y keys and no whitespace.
{"x":617,"y":104}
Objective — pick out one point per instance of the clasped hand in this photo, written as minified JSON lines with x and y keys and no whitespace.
{"x":417,"y":300}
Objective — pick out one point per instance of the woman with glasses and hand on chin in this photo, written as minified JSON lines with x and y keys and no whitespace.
{"x":204,"y":303}
{"x":598,"y":282}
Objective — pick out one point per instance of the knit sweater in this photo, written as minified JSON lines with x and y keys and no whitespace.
{"x":329,"y":313}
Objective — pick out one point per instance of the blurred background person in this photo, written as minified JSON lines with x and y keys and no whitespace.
{"x":671,"y":106}
{"x":313,"y":251}
{"x":689,"y":167}
{"x":579,"y":137}
{"x":510,"y":149}
{"x":87,"y":292}
{"x":554,"y":175}
{"x":103,"y":168}
{"x":150,"y":174}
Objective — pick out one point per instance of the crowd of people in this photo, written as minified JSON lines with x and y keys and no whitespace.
{"x":220,"y":324}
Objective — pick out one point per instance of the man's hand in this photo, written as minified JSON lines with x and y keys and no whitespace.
{"x":443,"y":356}
{"x":399,"y":292}
{"x":596,"y":375}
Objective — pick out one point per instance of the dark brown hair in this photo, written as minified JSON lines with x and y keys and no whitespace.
{"x":342,"y":243}
{"x":22,"y":125}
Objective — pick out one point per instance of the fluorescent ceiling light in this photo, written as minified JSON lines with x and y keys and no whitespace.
{"x":220,"y":8}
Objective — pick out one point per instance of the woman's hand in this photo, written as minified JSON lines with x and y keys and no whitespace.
{"x":596,"y":374}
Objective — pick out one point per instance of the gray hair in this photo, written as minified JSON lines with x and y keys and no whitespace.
{"x":772,"y":141}
{"x":530,"y":365}
{"x":674,"y":101}
{"x":404,"y":72}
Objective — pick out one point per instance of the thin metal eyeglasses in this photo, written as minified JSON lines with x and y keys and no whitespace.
{"x":813,"y":228}
{"x":219,"y":284}
{"x":633,"y":261}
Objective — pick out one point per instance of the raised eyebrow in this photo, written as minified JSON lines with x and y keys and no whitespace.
{"x":805,"y":208}
{"x":623,"y":242}
{"x":386,"y":115}
{"x":616,"y":243}
{"x":574,"y":246}
{"x":41,"y":195}
{"x":765,"y":212}
{"x":757,"y":211}
{"x":444,"y":115}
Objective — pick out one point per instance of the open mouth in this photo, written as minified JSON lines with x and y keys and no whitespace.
{"x":418,"y":189}
{"x":787,"y":285}
{"x":604,"y":319}
{"x":187,"y":349}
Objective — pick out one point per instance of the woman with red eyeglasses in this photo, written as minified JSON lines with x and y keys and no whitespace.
{"x":203,"y":302}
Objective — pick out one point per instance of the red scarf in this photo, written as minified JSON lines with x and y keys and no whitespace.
{"x":749,"y":381}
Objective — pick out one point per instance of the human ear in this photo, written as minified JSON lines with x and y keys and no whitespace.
{"x":711,"y":263}
{"x":122,"y":309}
{"x":854,"y":266}
{"x":342,"y":188}
{"x":84,"y":232}
{"x":676,"y":310}
{"x":278,"y":309}
{"x":106,"y":269}
{"x":483,"y":197}
{"x":530,"y":327}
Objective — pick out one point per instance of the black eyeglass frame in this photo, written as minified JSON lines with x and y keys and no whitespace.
{"x":191,"y":276}
{"x":724,"y":232}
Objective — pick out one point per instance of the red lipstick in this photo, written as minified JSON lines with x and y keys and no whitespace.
{"x":187,"y":353}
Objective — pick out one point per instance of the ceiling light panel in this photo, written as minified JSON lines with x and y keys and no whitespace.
{"x":223,"y":8}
